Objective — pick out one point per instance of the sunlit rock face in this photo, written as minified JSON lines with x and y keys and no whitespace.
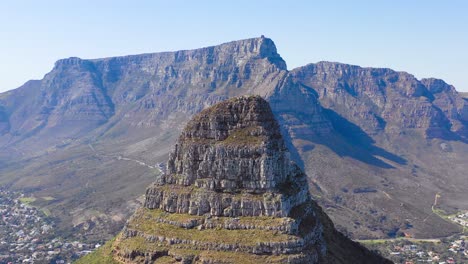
{"x":231,"y":194}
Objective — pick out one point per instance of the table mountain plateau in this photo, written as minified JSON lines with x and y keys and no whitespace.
{"x":232,"y":195}
{"x":376,"y":144}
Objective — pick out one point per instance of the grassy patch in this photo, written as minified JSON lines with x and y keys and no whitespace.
{"x":157,"y":213}
{"x":239,"y":257}
{"x":46,"y":211}
{"x":38,"y":203}
{"x":28,"y":200}
{"x":192,"y":189}
{"x":243,"y":136}
{"x":102,"y":255}
{"x":373,"y":241}
{"x":261,"y":220}
{"x":165,"y":260}
{"x":383,"y":241}
{"x":139,"y":244}
{"x":183,"y":252}
{"x":147,"y":214}
{"x":245,"y":237}
{"x":48,"y":198}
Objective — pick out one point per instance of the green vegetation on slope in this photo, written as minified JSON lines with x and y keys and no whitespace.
{"x":27,"y":200}
{"x":244,"y":237}
{"x":103,"y":255}
{"x":244,"y":136}
{"x":139,"y":244}
{"x":245,"y":258}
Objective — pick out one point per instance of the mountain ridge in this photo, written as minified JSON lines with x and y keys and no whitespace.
{"x":132,"y":107}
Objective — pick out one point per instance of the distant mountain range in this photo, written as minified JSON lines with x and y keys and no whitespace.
{"x":377,"y":145}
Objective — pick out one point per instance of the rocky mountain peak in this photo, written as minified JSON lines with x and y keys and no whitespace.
{"x":262,"y":48}
{"x":437,"y":85}
{"x":231,"y":195}
{"x":232,"y":147}
{"x":68,"y":61}
{"x":241,"y":130}
{"x":221,"y":121}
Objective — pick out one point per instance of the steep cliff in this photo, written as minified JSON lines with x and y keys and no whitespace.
{"x":396,"y":142}
{"x":232,"y":195}
{"x":385,"y":100}
{"x":139,"y":91}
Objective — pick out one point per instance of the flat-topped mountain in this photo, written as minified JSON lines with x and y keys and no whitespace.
{"x":78,"y":95}
{"x":376,"y":144}
{"x":232,"y":195}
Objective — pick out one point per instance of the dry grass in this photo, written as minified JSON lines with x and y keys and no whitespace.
{"x":244,"y":136}
{"x":157,"y":213}
{"x":239,"y":257}
{"x":139,"y":244}
{"x":244,"y":237}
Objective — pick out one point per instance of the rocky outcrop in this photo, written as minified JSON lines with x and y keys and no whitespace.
{"x":231,"y":193}
{"x":78,"y":96}
{"x":449,"y":101}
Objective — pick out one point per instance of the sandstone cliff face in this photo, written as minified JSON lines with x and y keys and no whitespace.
{"x":188,"y":81}
{"x":69,"y":101}
{"x":384,"y":100}
{"x":79,"y":95}
{"x":449,"y":101}
{"x":398,"y":128}
{"x":232,"y":195}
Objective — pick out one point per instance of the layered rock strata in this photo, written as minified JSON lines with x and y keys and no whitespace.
{"x":378,"y":99}
{"x":232,"y":195}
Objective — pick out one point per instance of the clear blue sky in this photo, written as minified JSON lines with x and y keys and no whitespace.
{"x":426,"y":38}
